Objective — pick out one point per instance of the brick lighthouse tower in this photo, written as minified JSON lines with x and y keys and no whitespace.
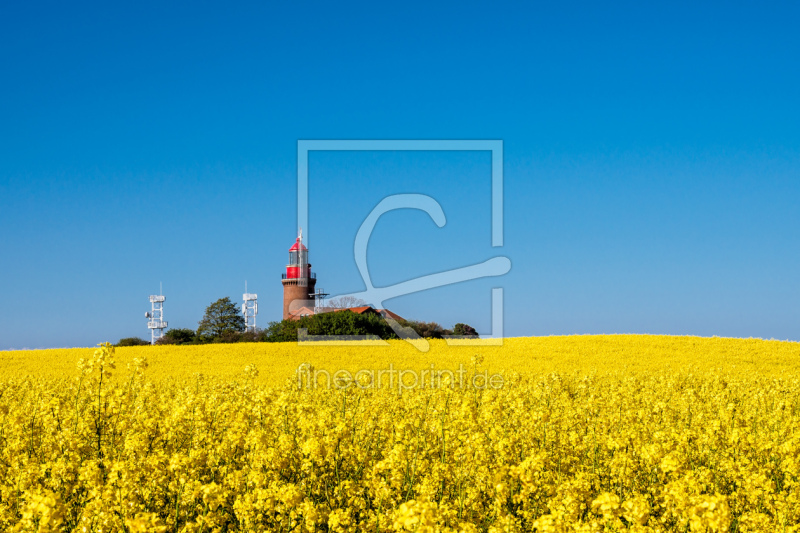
{"x":298,"y":281}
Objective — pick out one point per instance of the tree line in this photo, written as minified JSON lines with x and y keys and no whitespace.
{"x":223,"y":322}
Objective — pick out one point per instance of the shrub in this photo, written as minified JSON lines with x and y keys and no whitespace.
{"x":132,"y":341}
{"x":178,"y":336}
{"x":330,"y":324}
{"x":428,"y":330}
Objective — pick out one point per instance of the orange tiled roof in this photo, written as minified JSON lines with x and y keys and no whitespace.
{"x":387,"y":313}
{"x":357,"y":310}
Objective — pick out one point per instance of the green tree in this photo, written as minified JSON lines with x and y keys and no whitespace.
{"x":464,"y":330}
{"x":222,"y":318}
{"x":283,"y":331}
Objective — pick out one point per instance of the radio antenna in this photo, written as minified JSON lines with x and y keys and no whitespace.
{"x":155,"y":317}
{"x":249,"y":309}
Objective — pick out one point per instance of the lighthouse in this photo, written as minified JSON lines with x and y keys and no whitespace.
{"x":298,"y":281}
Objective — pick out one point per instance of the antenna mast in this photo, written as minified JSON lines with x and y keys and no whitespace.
{"x":155,"y":318}
{"x":319,"y":300}
{"x":249,"y":309}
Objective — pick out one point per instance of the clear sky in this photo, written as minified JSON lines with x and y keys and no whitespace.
{"x":651,"y":161}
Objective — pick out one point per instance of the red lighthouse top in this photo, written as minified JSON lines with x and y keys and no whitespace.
{"x":298,"y":245}
{"x":298,"y":266}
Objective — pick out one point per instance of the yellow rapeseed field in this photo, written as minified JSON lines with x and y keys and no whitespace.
{"x":577,"y":433}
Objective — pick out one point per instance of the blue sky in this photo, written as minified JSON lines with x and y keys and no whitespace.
{"x":651,"y":161}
